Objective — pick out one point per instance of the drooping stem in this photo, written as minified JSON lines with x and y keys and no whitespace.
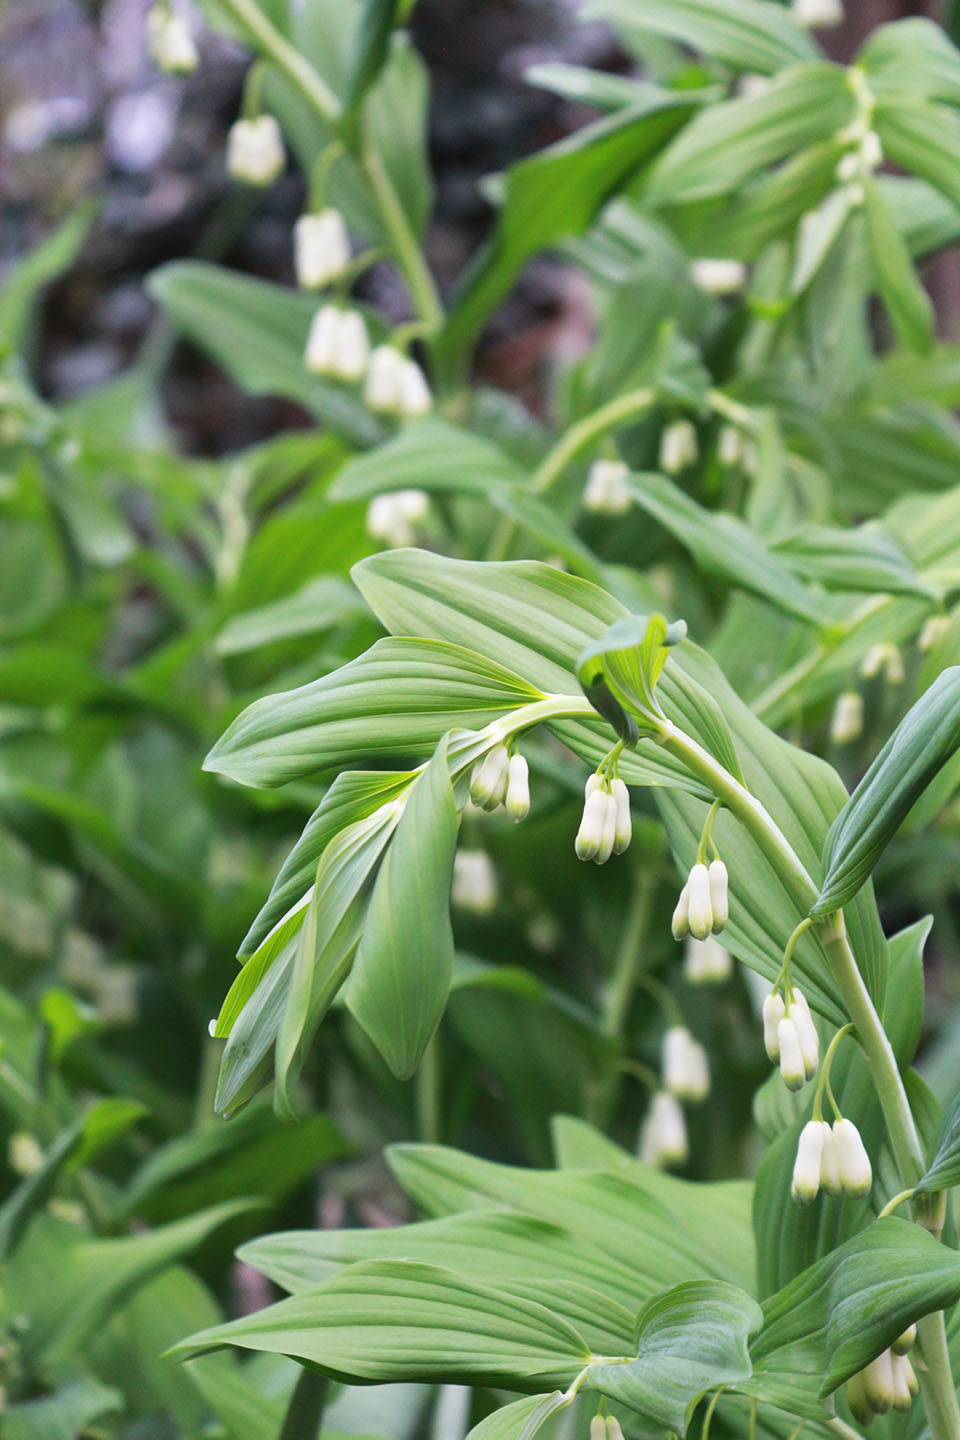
{"x":406,"y":248}
{"x":254,"y":23}
{"x":581,"y":435}
{"x":936,"y":1382}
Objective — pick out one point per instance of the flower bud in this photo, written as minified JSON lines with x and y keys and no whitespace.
{"x":680,"y":924}
{"x":729,"y":446}
{"x":415,"y":397}
{"x":663,"y":1135}
{"x":719,"y":277}
{"x":719,"y":900}
{"x":818,"y":14}
{"x":883,"y":657}
{"x":614,"y":1428}
{"x":353,"y":347}
{"x":860,"y":1407}
{"x":902,"y":1394}
{"x":701,"y":912}
{"x":255,"y":152}
{"x":323,"y":341}
{"x":799,"y":1013}
{"x":384,"y":388}
{"x":934,"y":629}
{"x":878,"y":1383}
{"x":846,"y":723}
{"x":624,"y":825}
{"x":871,"y":151}
{"x":678,"y":446}
{"x":791,"y":1060}
{"x":590,"y":836}
{"x":488,"y":783}
{"x":856,"y":1174}
{"x":24,"y":1154}
{"x":518,"y":788}
{"x":806,"y":1168}
{"x":607,"y":491}
{"x":706,"y":962}
{"x":830,"y":1165}
{"x":686,"y":1070}
{"x":474,"y":882}
{"x":321,"y":249}
{"x":170,"y":42}
{"x":609,"y":828}
{"x":905,"y":1342}
{"x":773,"y":1013}
{"x":392,"y":517}
{"x":598,"y":1428}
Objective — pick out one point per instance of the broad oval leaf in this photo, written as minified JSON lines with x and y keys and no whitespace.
{"x":923,"y":741}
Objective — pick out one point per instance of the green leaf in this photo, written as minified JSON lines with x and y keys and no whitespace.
{"x":723,"y":545}
{"x":842,"y":1311}
{"x":521,"y":1420}
{"x":690,"y":1339}
{"x":64,"y":1415}
{"x":865,"y":558}
{"x":401,"y":976}
{"x":907,"y":302}
{"x":44,"y":263}
{"x":430,"y":454}
{"x":258,"y":332}
{"x":373,"y":45}
{"x":728,"y":143}
{"x":923,"y":741}
{"x":912,"y":59}
{"x":335,"y":919}
{"x":944,"y":1168}
{"x":745,"y":34}
{"x":619,"y":672}
{"x":925,"y":140}
{"x":353,"y":796}
{"x":399,"y":1320}
{"x":318,"y":605}
{"x":397,"y":699}
{"x":552,"y":195}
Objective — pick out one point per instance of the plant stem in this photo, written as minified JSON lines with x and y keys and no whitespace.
{"x":936,"y":1383}
{"x":624,"y":979}
{"x":406,"y":249}
{"x":590,"y":428}
{"x":427,"y":1093}
{"x":275,"y":47}
{"x":305,"y":1411}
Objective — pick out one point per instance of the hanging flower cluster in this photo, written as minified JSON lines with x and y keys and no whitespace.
{"x":500,"y":778}
{"x":887,"y":1383}
{"x":703,"y":908}
{"x":605,"y":827}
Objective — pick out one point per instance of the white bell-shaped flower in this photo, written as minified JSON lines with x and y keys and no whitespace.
{"x":415,"y":397}
{"x":791,"y":1060}
{"x":680,"y":924}
{"x":799,"y":1012}
{"x":706,"y":962}
{"x":686,"y":1069}
{"x":255,"y":152}
{"x":678,"y":446}
{"x":719,"y":276}
{"x":884,"y":657}
{"x":607,"y":491}
{"x":903,"y":1392}
{"x":170,"y":42}
{"x":384,"y":388}
{"x":393,"y":516}
{"x":729,"y":446}
{"x":805,"y":1185}
{"x":321,"y":249}
{"x":353,"y":347}
{"x":719,"y":894}
{"x":773,"y":1012}
{"x":700,"y":912}
{"x":878,"y":1383}
{"x":488,"y":783}
{"x":323,"y":341}
{"x":853,"y":1162}
{"x":614,"y":1428}
{"x":623,"y":832}
{"x":830,"y":1179}
{"x":598,"y":1428}
{"x":517,"y":802}
{"x":934,"y":629}
{"x":663,"y":1134}
{"x":904,"y":1343}
{"x":474,"y":882}
{"x":818,"y":14}
{"x":846,"y":724}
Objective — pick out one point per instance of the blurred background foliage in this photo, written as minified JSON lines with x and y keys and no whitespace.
{"x":176,"y":535}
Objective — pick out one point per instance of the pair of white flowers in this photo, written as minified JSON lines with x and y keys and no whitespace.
{"x":704,"y":907}
{"x":394,"y":516}
{"x":338,"y":345}
{"x":678,"y":446}
{"x":685,"y":1067}
{"x":832,"y":1159}
{"x":887,"y":1383}
{"x":605,"y":1428}
{"x":790,"y":1037}
{"x":706,"y":962}
{"x":605,"y":827}
{"x":500,"y":778}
